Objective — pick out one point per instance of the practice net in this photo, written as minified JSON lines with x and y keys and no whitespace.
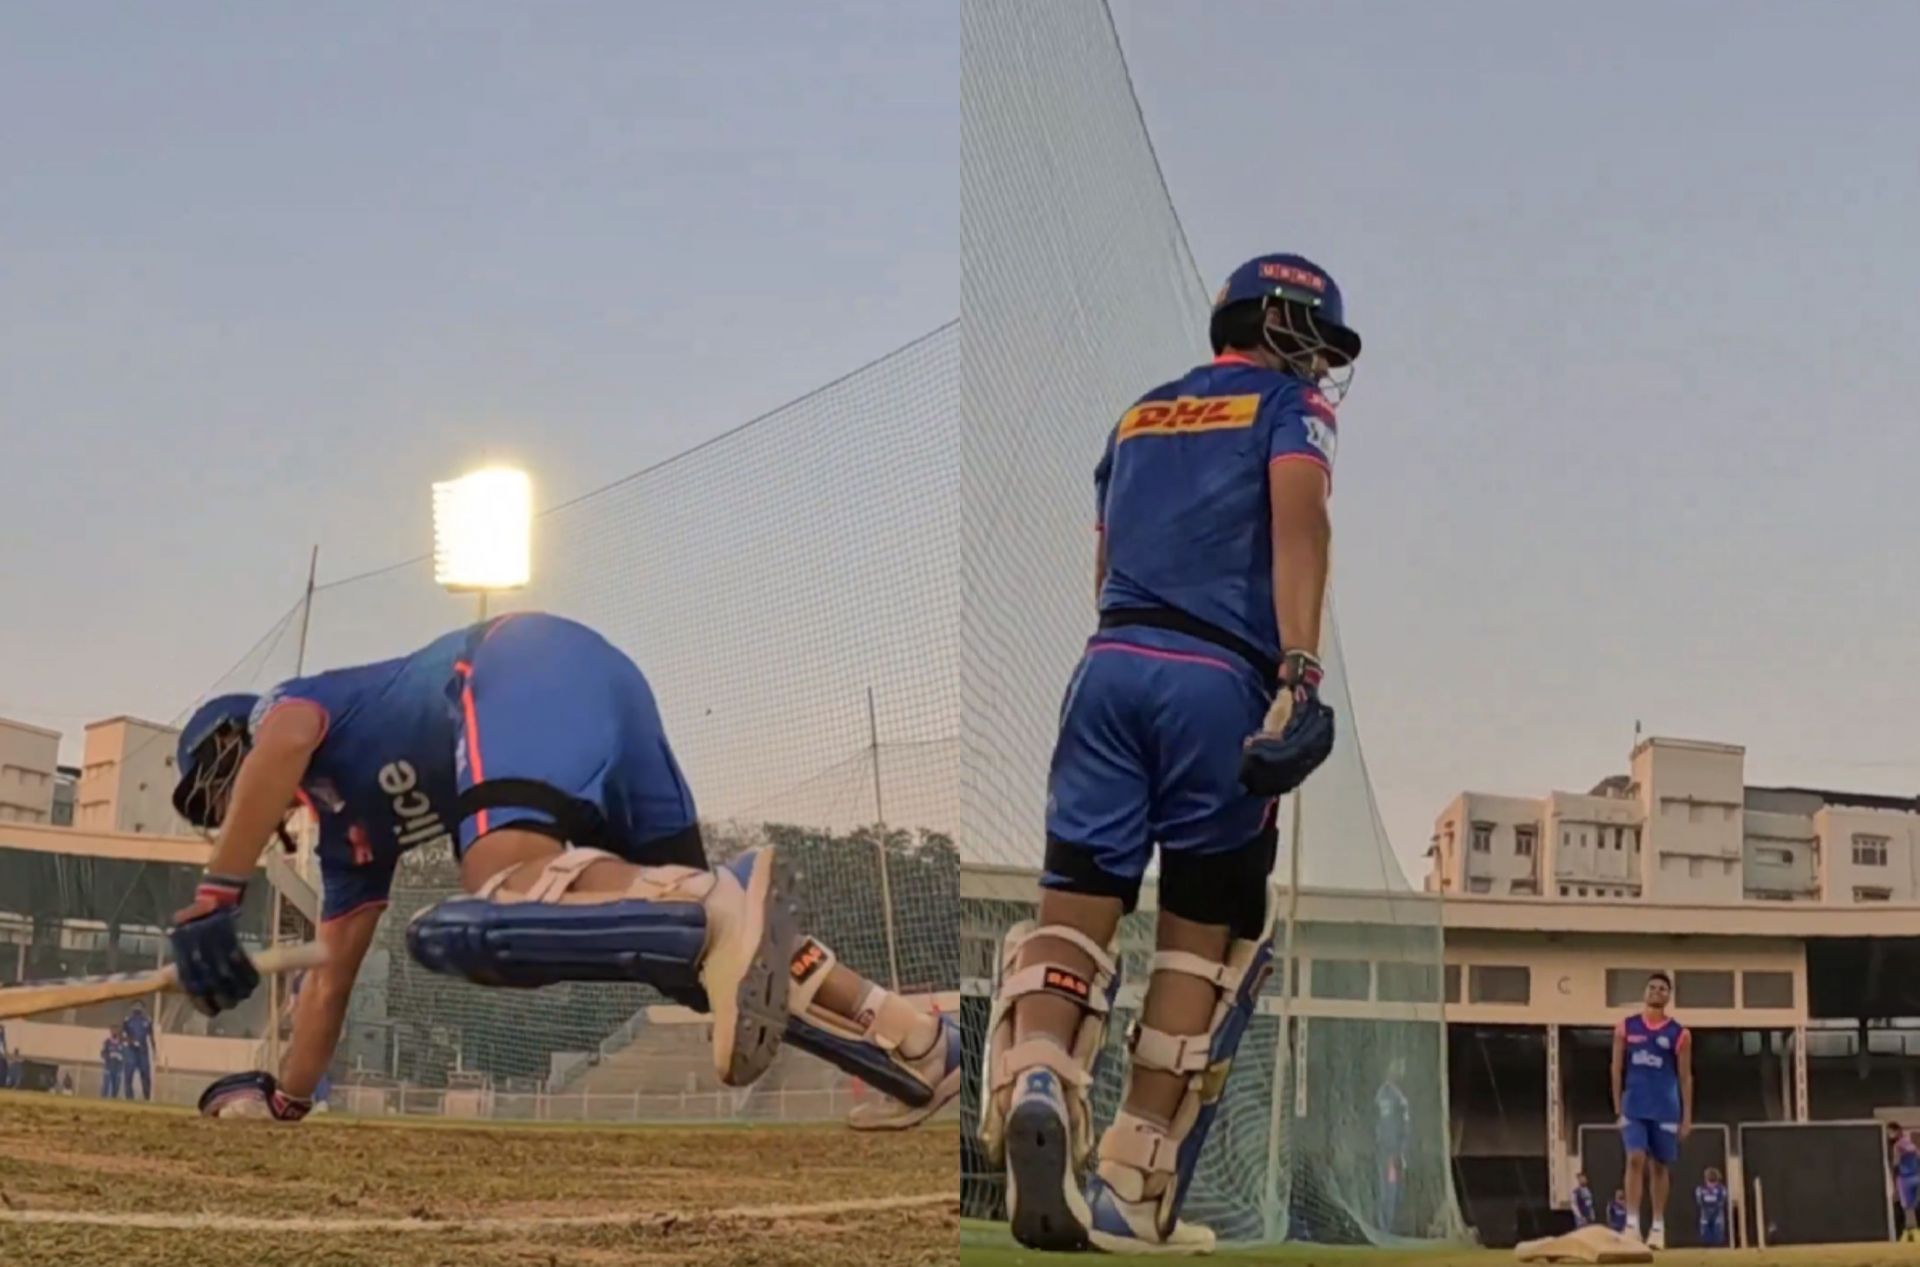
{"x":788,"y":588}
{"x":1077,"y":294}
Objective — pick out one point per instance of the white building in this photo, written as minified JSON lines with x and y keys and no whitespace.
{"x":29,"y":757}
{"x":126,"y":779}
{"x":1682,"y":827}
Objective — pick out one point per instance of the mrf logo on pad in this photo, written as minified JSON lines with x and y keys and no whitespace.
{"x":1189,"y":414}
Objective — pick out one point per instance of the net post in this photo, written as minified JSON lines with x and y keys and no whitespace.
{"x":880,"y":843}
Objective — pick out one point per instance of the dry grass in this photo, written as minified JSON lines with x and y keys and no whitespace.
{"x":670,"y":1195}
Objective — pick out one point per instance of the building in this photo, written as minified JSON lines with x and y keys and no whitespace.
{"x":1682,"y":827}
{"x":126,"y":779}
{"x":28,"y":759}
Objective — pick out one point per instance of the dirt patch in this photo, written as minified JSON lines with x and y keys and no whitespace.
{"x":667,"y":1191}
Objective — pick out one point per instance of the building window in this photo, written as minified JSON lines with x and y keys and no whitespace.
{"x":1341,"y":979}
{"x":1774,"y":857}
{"x":1869,"y":851}
{"x":1563,"y":890}
{"x":1627,"y":986}
{"x":1583,"y":890}
{"x":1696,"y":988}
{"x":1483,"y":837}
{"x":1488,"y":983}
{"x":1872,"y":895}
{"x":1619,"y":838}
{"x":1526,"y":888}
{"x":1479,"y":884}
{"x":1523,"y":842}
{"x":1766,"y":989}
{"x":1399,"y":982}
{"x":1452,"y":975}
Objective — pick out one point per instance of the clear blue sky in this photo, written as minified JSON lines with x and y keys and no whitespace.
{"x":1635,"y":434}
{"x":268,"y":270}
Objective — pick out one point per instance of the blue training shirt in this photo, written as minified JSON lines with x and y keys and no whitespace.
{"x":1182,"y":493}
{"x":382,"y":780}
{"x":1651,"y":1087}
{"x":1711,"y":1199}
{"x":1906,"y":1157}
{"x":1583,"y":1206}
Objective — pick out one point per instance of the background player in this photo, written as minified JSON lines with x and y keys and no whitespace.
{"x":1711,"y":1199}
{"x":1211,"y":569}
{"x":1653,"y":1098}
{"x":139,"y":1054}
{"x":1583,"y":1213}
{"x":537,"y":748}
{"x":1617,"y":1214}
{"x":1903,"y":1155}
{"x":1392,"y":1136}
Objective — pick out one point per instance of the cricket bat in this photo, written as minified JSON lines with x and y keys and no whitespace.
{"x":54,"y":996}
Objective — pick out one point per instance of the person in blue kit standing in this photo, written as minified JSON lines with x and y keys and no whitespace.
{"x":139,"y":1060}
{"x":536,"y":749}
{"x":1653,"y":1098}
{"x":1711,"y":1200}
{"x":112,"y":1062}
{"x":1192,"y":709}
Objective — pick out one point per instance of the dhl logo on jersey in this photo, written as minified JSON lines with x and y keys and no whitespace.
{"x":1189,"y":414}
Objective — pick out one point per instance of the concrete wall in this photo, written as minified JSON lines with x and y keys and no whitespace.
{"x":127,"y":777}
{"x":1502,"y":823}
{"x":1568,"y":975}
{"x":1844,"y":879}
{"x":28,"y":758}
{"x":1694,"y":798}
{"x":1780,"y":856}
{"x":1596,"y":846}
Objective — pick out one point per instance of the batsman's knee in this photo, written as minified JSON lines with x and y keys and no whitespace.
{"x":1227,"y":887}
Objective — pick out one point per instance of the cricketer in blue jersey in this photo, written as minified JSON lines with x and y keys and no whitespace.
{"x":1617,"y":1215}
{"x":112,"y":1058}
{"x":1194,"y":705}
{"x":1583,"y":1213}
{"x":1903,"y":1157}
{"x":1392,"y":1136}
{"x":534,"y":750}
{"x":1653,"y":1097}
{"x":1712,"y":1201}
{"x":139,"y":1032}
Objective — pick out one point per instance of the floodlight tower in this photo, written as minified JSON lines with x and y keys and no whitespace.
{"x":483,"y":532}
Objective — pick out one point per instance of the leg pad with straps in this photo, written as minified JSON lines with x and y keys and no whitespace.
{"x":867,"y":1046}
{"x":1145,"y":1170}
{"x":654,"y":933}
{"x":1006,"y":1059}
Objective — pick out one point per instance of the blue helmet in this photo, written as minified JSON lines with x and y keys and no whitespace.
{"x":1296,"y":279}
{"x":207,"y":763}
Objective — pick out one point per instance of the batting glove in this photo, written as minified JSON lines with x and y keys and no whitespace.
{"x":1296,"y":736}
{"x":213,"y":967}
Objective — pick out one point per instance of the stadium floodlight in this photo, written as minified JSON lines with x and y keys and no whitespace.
{"x":483,"y":532}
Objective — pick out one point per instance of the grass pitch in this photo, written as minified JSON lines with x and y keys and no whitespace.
{"x":84,"y":1182}
{"x":989,"y":1245}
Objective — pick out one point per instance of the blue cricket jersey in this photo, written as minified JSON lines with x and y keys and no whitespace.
{"x":1711,"y":1200}
{"x":1182,"y":494}
{"x":1651,"y":1087}
{"x":1583,"y":1206}
{"x":383,"y":778}
{"x":1906,"y":1157}
{"x":139,"y":1029}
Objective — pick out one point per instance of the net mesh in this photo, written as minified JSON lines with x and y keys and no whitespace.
{"x":1078,"y":293}
{"x":788,"y":588}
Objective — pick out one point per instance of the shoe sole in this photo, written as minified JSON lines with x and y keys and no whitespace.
{"x":900,"y":1117}
{"x":1039,"y":1168}
{"x":750,"y":1019}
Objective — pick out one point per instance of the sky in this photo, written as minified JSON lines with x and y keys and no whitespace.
{"x":1633,"y":438}
{"x":267,"y":271}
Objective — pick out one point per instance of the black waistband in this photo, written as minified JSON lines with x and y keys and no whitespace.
{"x":1180,"y":622}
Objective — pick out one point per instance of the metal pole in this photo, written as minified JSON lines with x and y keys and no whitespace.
{"x":306,"y":613}
{"x":1283,"y":1042}
{"x":880,"y":844}
{"x":483,"y":604}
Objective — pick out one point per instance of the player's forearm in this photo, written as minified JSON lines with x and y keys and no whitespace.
{"x":1302,"y":546}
